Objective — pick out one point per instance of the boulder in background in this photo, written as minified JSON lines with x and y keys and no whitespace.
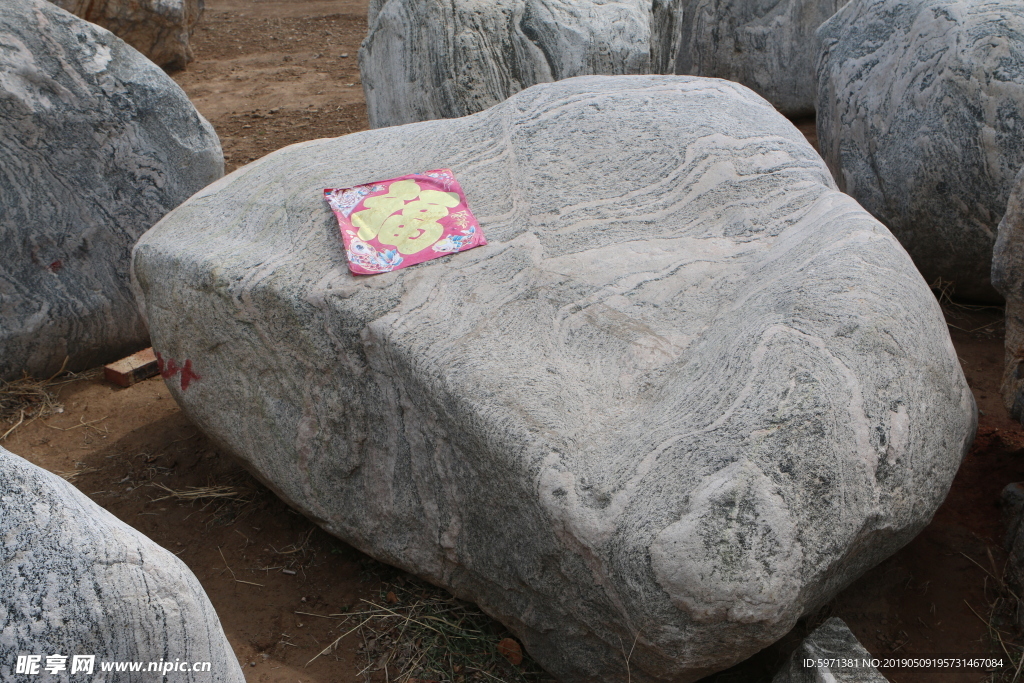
{"x":159,"y":29}
{"x":921,"y":119}
{"x":96,"y":145}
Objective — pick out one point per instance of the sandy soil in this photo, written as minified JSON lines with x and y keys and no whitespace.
{"x":270,"y":73}
{"x":273,"y":72}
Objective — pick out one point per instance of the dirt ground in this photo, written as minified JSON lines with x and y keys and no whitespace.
{"x":270,"y":73}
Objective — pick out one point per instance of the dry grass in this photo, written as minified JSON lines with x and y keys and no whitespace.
{"x":944,"y":291}
{"x":965,"y":317}
{"x":416,"y":632}
{"x":25,"y":400}
{"x":81,"y":468}
{"x":1003,"y":621}
{"x":204,"y":493}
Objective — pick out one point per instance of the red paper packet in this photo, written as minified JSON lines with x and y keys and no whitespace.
{"x":403,"y":221}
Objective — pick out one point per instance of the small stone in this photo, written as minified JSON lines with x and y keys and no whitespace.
{"x":510,"y":650}
{"x":830,"y":647}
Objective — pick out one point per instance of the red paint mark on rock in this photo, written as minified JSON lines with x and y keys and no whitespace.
{"x":55,"y":266}
{"x":187,"y":376}
{"x":169,"y":368}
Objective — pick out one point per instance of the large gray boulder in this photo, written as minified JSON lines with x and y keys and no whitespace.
{"x":432,"y":59}
{"x":770,"y":47}
{"x":686,"y":393}
{"x":75,"y":580}
{"x":96,"y":145}
{"x":1008,"y":278}
{"x":831,"y":654}
{"x":921,"y":119}
{"x":159,"y":29}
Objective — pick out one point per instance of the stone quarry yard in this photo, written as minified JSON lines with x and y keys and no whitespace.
{"x":299,"y":605}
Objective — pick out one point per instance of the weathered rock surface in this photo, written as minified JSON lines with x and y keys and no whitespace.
{"x":1012,"y":503}
{"x":159,"y":29}
{"x":1008,"y":278}
{"x":769,"y":47}
{"x":432,"y":59}
{"x":96,"y":145}
{"x":831,"y":641}
{"x":75,"y":580}
{"x":921,"y":119}
{"x":687,"y":392}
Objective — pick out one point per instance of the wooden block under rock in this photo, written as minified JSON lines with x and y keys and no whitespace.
{"x":135,"y":368}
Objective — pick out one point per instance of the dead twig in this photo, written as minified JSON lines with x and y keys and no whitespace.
{"x":82,"y":423}
{"x":193,"y":493}
{"x":18,"y":424}
{"x":235,"y":578}
{"x":338,"y":640}
{"x":629,"y":675}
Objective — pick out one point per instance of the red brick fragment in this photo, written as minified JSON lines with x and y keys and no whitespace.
{"x":135,"y":368}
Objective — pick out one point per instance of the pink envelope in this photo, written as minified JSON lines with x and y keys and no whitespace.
{"x":403,"y":221}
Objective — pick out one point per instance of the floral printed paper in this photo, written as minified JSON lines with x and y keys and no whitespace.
{"x":403,"y":221}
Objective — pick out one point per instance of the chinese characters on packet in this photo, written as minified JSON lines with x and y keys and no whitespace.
{"x":403,"y":221}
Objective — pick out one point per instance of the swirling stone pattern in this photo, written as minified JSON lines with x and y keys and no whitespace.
{"x":430,"y":59}
{"x":160,"y":29}
{"x":770,"y":47}
{"x":687,"y":392}
{"x":831,"y":641}
{"x":1008,"y":278}
{"x":96,"y":145}
{"x":75,"y":580}
{"x":921,"y":119}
